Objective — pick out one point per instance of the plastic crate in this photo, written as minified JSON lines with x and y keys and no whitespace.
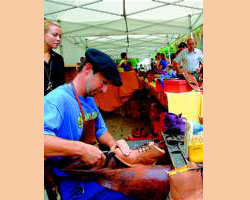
{"x":176,"y":86}
{"x":159,"y":87}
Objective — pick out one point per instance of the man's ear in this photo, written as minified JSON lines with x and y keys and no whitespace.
{"x":88,"y":68}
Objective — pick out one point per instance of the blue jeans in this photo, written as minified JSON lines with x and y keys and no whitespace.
{"x":79,"y":190}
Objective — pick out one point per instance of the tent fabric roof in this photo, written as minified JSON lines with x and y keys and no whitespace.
{"x":139,"y":27}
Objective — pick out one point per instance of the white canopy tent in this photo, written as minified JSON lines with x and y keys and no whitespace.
{"x":138,"y":27}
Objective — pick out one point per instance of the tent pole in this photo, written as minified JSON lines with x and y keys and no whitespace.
{"x":60,"y":46}
{"x":197,"y":19}
{"x":177,"y":4}
{"x":86,"y":43}
{"x":169,"y":53}
{"x":190,"y":26}
{"x":168,"y":43}
{"x":125,"y":18}
{"x":61,"y":49}
{"x":71,"y":6}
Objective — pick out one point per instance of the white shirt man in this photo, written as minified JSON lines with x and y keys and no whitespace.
{"x":190,"y":57}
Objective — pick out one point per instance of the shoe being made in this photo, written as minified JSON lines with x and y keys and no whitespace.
{"x":147,"y":154}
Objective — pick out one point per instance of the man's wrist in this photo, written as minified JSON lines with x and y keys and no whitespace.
{"x":79,"y":146}
{"x":113,"y":144}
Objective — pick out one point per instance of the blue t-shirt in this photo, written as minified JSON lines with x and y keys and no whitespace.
{"x":63,"y":118}
{"x":164,"y":64}
{"x":125,"y":67}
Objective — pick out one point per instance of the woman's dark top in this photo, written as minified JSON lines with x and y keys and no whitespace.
{"x":55,"y":70}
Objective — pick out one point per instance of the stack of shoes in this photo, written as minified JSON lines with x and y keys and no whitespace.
{"x":143,"y":133}
{"x":139,"y":133}
{"x":147,"y":154}
{"x":136,"y":133}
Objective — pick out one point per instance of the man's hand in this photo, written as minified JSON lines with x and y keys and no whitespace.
{"x":93,"y":156}
{"x":108,"y":140}
{"x":122,"y":145}
{"x":89,"y":154}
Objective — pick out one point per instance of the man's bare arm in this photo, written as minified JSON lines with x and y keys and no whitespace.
{"x":55,"y":146}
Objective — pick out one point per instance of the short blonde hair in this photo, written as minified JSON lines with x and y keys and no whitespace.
{"x":48,"y":23}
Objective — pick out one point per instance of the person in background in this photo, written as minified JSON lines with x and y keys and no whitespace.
{"x":152,"y":64}
{"x":158,"y":60}
{"x":68,"y":111}
{"x":177,"y":52}
{"x":53,"y":62}
{"x":163,"y":63}
{"x":172,"y":57}
{"x":124,"y":62}
{"x":82,"y":59}
{"x":182,"y":46}
{"x":141,"y":72}
{"x":170,"y":66}
{"x":141,"y":68}
{"x":191,"y":58}
{"x":78,"y":66}
{"x":130,"y":68}
{"x":200,"y":72}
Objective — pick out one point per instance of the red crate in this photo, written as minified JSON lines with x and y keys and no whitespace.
{"x":159,"y":86}
{"x":176,"y":86}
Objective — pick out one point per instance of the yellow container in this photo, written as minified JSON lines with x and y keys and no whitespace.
{"x":120,"y":69}
{"x":195,"y":148}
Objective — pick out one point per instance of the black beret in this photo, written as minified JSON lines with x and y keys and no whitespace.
{"x":104,"y":64}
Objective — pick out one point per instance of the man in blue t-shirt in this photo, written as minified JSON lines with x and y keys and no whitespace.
{"x":67,"y":110}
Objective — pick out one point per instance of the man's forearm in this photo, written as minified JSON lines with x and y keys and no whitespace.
{"x":107,"y":139}
{"x":55,"y":146}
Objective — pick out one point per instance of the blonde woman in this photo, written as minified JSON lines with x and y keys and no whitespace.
{"x":53,"y":62}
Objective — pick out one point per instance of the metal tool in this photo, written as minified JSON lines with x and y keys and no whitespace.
{"x":108,"y":154}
